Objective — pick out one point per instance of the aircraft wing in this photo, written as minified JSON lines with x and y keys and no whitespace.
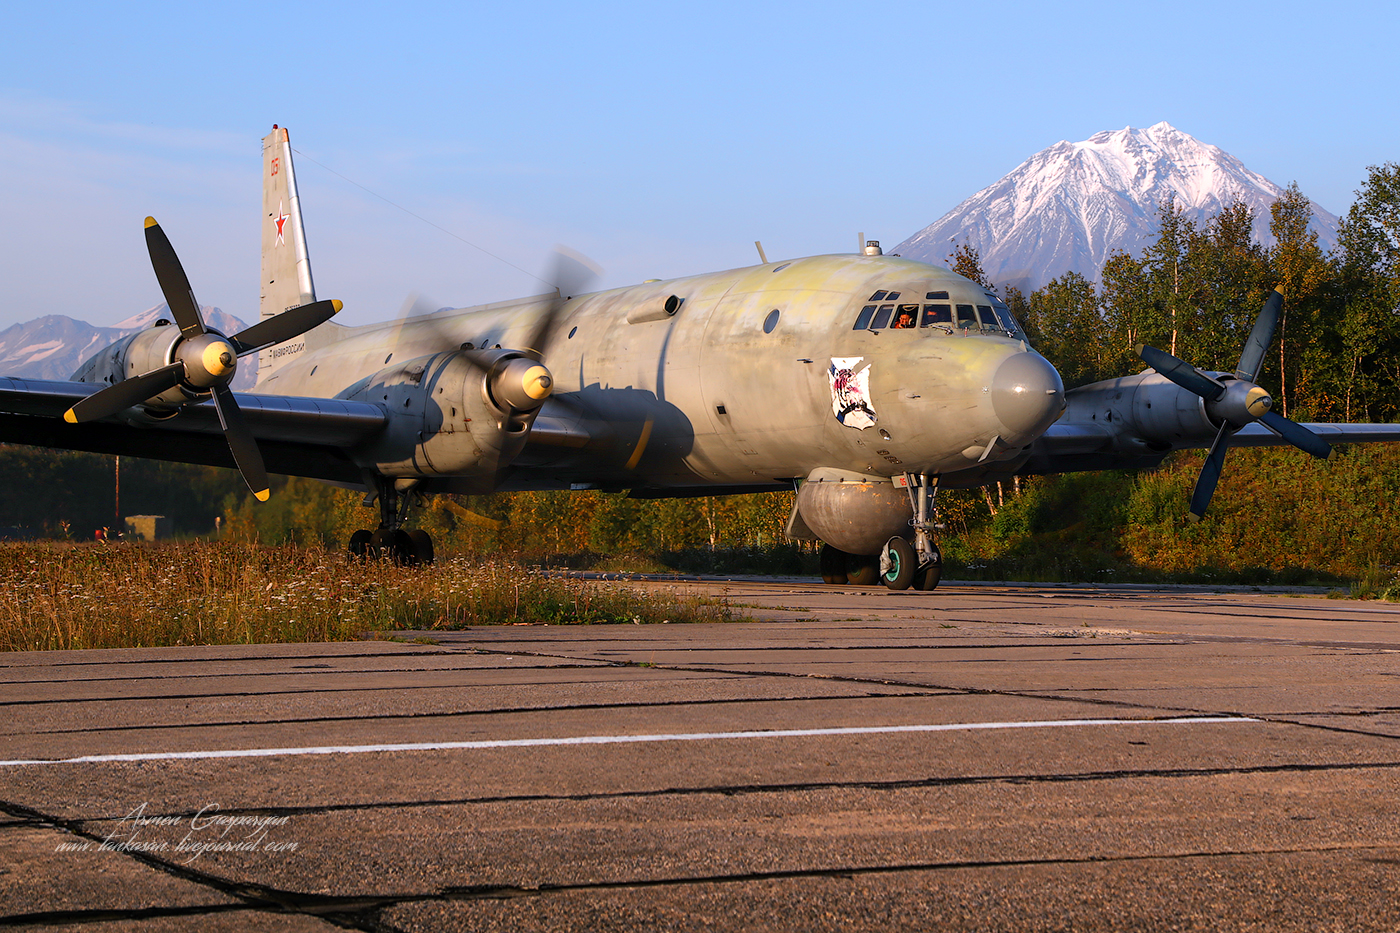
{"x":297,"y":436}
{"x":1074,"y":446}
{"x":1256,"y":435}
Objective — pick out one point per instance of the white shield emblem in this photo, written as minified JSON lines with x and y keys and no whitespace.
{"x":850,"y":392}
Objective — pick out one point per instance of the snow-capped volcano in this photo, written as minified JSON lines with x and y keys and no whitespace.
{"x":1070,"y":206}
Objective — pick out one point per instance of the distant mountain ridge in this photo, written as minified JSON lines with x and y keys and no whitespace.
{"x":1069,"y":207}
{"x":53,"y":346}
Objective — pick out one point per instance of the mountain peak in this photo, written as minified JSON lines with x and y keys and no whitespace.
{"x":1071,"y":205}
{"x":53,"y":346}
{"x":213,"y":317}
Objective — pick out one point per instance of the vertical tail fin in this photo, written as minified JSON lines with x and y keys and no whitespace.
{"x":286,"y":268}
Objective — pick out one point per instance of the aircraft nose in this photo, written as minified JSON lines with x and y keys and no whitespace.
{"x":1027,"y":396}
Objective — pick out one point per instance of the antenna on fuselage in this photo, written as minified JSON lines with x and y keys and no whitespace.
{"x":761,"y":258}
{"x":860,"y":242}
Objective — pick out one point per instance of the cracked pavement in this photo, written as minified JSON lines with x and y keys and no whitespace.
{"x":998,"y":757}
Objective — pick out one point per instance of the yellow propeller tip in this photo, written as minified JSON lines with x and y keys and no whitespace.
{"x":1281,"y":292}
{"x":69,"y":417}
{"x":150,"y":222}
{"x":262,"y":495}
{"x":1193,"y":518}
{"x":337,"y":304}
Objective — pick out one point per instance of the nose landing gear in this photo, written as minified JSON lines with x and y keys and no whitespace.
{"x":919,"y":565}
{"x":901,"y":564}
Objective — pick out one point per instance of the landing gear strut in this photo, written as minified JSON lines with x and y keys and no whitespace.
{"x":391,"y":540}
{"x":919,"y":565}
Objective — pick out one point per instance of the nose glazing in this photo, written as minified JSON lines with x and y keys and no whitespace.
{"x":1027,"y":396}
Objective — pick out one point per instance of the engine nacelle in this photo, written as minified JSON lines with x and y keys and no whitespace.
{"x":453,"y":414}
{"x":1164,"y":412}
{"x":141,"y":353}
{"x":854,"y":513}
{"x":1142,"y":413}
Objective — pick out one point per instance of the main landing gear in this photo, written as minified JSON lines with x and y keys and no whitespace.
{"x":391,"y":540}
{"x":901,"y":564}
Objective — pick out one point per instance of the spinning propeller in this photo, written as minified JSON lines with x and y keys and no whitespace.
{"x":204,"y":361}
{"x":1235,"y":403}
{"x":521,"y":385}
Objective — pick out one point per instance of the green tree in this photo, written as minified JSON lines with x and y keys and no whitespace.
{"x":1194,"y":292}
{"x":1066,"y":326}
{"x":1229,"y":282}
{"x":1167,"y":266}
{"x":1307,"y":338}
{"x":1123,"y":298}
{"x":1368,"y":273}
{"x":1020,"y":306}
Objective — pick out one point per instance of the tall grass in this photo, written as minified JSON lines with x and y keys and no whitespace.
{"x":63,"y":595}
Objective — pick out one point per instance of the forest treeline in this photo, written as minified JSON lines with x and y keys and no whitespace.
{"x":1279,"y":516}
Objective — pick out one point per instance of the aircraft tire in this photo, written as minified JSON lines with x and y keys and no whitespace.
{"x":422,"y":546}
{"x":381,"y":544}
{"x":903,"y":564}
{"x":401,"y":548}
{"x":833,"y":562}
{"x":926,"y":579}
{"x":359,"y":544}
{"x":862,"y":569}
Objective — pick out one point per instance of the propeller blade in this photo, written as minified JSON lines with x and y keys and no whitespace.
{"x":241,"y":443}
{"x":1210,"y":475}
{"x":174,"y":284}
{"x":571,"y":273}
{"x":125,"y":394}
{"x":1182,"y":373}
{"x":290,"y":323}
{"x":1252,"y":357}
{"x":1297,"y":435}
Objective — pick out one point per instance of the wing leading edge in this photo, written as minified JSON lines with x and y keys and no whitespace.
{"x":299,"y":436}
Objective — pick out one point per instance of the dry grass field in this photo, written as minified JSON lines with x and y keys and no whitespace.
{"x":61,"y":595}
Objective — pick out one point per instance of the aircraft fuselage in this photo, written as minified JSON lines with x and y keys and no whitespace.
{"x":745,"y":383}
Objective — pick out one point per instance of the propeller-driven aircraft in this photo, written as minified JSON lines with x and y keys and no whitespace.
{"x":867,"y":382}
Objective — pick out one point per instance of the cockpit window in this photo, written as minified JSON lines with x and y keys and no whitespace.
{"x":937,"y":314}
{"x":1008,"y":322}
{"x":906,"y":316}
{"x":883,"y":311}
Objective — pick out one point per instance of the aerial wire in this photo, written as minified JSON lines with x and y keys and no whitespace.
{"x":424,"y":219}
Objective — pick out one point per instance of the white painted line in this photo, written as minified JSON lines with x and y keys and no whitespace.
{"x":620,"y":739}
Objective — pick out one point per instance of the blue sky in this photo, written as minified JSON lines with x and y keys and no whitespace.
{"x":661,"y":140}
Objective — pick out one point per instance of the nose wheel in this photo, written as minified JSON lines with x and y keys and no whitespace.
{"x":900,"y":566}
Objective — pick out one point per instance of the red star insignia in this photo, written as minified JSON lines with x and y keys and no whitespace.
{"x":280,"y":219}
